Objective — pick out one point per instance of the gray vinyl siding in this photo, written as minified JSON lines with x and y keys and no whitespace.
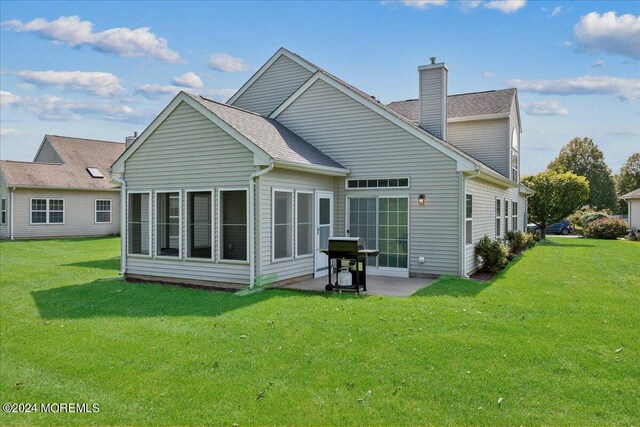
{"x":486,"y":140}
{"x":79,"y":214}
{"x":273,"y":86}
{"x":4,"y":192}
{"x":484,"y":214}
{"x":371,"y":146}
{"x":286,"y":180}
{"x":634,"y":213}
{"x":47,"y":154}
{"x":188,"y":152}
{"x":433,"y":101}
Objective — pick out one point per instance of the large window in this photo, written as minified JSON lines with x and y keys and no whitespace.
{"x":47,"y":211}
{"x":199,"y":224}
{"x":233,"y":225}
{"x":304,"y":224}
{"x":168,"y":224}
{"x":103,"y":211}
{"x":514,"y":213}
{"x":469,"y":220}
{"x":506,"y":216}
{"x":282,"y":224}
{"x":138,"y":235}
{"x":3,"y":202}
{"x":498,"y":227}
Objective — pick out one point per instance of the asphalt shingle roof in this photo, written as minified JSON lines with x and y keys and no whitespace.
{"x":635,"y":194}
{"x":269,"y":135}
{"x":462,"y":105}
{"x":78,"y":154}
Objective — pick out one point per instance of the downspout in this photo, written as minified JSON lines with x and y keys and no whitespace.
{"x":123,"y":220}
{"x":252,"y":254}
{"x":11,"y":214}
{"x":463,"y":222}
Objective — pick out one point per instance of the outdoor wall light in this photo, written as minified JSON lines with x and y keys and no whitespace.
{"x":422,"y":199}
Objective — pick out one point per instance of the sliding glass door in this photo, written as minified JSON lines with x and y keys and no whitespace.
{"x":383,"y":222}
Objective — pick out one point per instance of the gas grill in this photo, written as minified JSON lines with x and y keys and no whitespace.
{"x":353,"y":252}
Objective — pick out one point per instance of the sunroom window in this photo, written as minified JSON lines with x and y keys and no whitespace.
{"x":304,"y":224}
{"x":138,"y":224}
{"x":168,"y":224}
{"x":199,"y":221}
{"x":233,"y":225}
{"x":282,"y":224}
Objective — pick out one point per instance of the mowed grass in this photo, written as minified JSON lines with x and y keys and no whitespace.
{"x":541,"y":339}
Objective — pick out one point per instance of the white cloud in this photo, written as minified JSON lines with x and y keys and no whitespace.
{"x":556,"y":11}
{"x":623,"y":88}
{"x":98,"y":83}
{"x":488,"y":74}
{"x":227,"y":63}
{"x":155,"y":91}
{"x":7,"y":99}
{"x":421,"y":4}
{"x":70,"y":30}
{"x":545,"y":108}
{"x":10,"y":132}
{"x":189,"y":79}
{"x":598,"y":64}
{"x":506,"y":6}
{"x":471,"y":4}
{"x":609,"y":33}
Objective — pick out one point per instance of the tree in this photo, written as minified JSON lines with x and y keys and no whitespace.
{"x":583,"y":157}
{"x":628,"y":179}
{"x":556,"y":196}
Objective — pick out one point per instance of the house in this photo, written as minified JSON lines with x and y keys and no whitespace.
{"x":64,"y":192}
{"x":633,"y":200}
{"x":249,"y":191}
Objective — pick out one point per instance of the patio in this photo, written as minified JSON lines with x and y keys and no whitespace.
{"x":376,"y":285}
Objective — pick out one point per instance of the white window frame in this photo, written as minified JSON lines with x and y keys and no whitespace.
{"x":295,"y":232}
{"x":468,"y":219}
{"x":95,"y":209}
{"x":273,"y":224}
{"x":506,"y":216}
{"x":155,"y":225}
{"x":213,"y":224}
{"x":150,"y":213}
{"x":218,"y":216}
{"x":3,"y":211}
{"x":498,"y":214}
{"x":346,"y":183}
{"x":47,"y":211}
{"x":514,"y":215}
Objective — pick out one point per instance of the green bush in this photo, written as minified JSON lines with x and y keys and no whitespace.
{"x":493,"y":253}
{"x":530,"y":240}
{"x":516,"y":241}
{"x":606,"y":228}
{"x":585,"y":216}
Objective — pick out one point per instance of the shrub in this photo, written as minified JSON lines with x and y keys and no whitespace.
{"x":606,"y":228}
{"x":516,"y":241}
{"x":530,"y":240}
{"x":493,"y":253}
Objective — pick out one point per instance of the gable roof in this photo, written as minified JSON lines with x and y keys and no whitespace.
{"x":78,"y":154}
{"x":635,"y":194}
{"x":266,"y":138}
{"x":488,"y":103}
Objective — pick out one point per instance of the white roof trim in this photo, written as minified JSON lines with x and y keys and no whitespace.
{"x":463,"y":163}
{"x":317,"y":169}
{"x":478,"y":117}
{"x":265,"y":67}
{"x":260,"y":156}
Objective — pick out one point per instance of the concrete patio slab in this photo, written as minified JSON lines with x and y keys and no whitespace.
{"x":376,"y":285}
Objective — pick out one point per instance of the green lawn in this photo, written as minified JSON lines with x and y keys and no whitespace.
{"x":541,"y":338}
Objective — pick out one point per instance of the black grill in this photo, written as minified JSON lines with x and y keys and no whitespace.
{"x":353,"y":250}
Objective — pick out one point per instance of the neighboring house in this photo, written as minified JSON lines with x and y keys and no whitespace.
{"x":250,"y":191}
{"x":64,"y":192}
{"x":633,"y":200}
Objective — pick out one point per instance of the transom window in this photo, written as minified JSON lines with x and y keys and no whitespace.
{"x":103,"y":211}
{"x":47,"y":211}
{"x":469,"y":219}
{"x":3,"y":203}
{"x":233,"y":225}
{"x":378,"y":183}
{"x":282,"y":224}
{"x":168,"y":236}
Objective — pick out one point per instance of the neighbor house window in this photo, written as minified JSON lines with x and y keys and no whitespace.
{"x":469,"y":219}
{"x":3,"y":203}
{"x":233,"y":225}
{"x":199,"y":224}
{"x":103,"y":211}
{"x":304,"y":224}
{"x":378,"y":183}
{"x":282,"y":224}
{"x":168,"y":236}
{"x":514,"y":213}
{"x":47,"y":211}
{"x":138,"y":233}
{"x":498,"y":227}
{"x":506,"y":216}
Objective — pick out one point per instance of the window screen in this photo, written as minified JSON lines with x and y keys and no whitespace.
{"x":233,"y":224}
{"x":282,"y":224}
{"x":304,"y":231}
{"x":138,"y":224}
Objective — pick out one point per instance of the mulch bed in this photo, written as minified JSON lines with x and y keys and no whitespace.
{"x":483,"y":276}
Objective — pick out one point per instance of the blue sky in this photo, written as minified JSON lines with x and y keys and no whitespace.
{"x":104,"y":69}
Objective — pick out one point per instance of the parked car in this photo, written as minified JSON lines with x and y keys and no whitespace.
{"x":563,"y":227}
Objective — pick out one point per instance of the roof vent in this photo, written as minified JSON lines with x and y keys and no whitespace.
{"x":433,"y":59}
{"x":95,"y":173}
